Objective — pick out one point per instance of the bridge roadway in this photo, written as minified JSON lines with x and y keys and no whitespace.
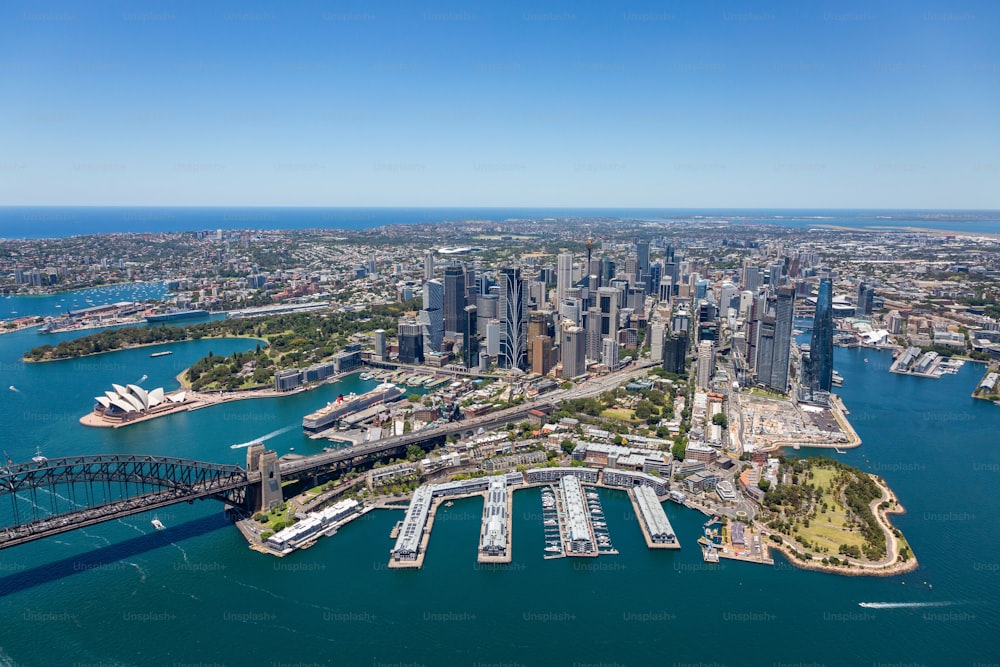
{"x":369,"y":450}
{"x":186,"y":481}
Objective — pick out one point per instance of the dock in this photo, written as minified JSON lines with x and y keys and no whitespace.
{"x":495,"y":534}
{"x":656,"y":528}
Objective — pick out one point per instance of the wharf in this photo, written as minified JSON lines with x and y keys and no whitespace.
{"x":676,"y":544}
{"x":507,"y":556}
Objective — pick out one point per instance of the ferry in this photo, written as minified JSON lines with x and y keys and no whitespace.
{"x":161,"y":354}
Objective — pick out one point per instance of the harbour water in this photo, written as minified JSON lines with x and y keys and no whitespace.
{"x":40,"y":221}
{"x":126,"y":593}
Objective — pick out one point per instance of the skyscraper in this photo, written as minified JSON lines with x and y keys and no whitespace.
{"x":431,"y":317}
{"x":821,"y":343}
{"x":470,"y":337}
{"x":380,"y":344}
{"x":866,"y":297}
{"x":512,"y":306}
{"x":610,"y":353}
{"x":411,"y":346}
{"x":706,"y":363}
{"x":675,"y":353}
{"x":454,"y":299}
{"x":774,"y":341}
{"x":428,"y":265}
{"x":593,"y":325}
{"x":642,"y":255}
{"x":607,"y":303}
{"x":784,"y":314}
{"x":574,"y":351}
{"x":564,"y":275}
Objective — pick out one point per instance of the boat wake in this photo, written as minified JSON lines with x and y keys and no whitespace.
{"x":903,"y":605}
{"x":263,"y":438}
{"x":142,"y":379}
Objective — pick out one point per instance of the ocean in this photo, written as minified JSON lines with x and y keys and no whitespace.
{"x":123,"y":593}
{"x":42,"y":222}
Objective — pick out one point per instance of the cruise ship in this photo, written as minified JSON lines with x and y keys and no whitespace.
{"x":330,"y":414}
{"x":176,"y":315}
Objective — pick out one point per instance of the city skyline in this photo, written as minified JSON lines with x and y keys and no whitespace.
{"x":872,"y":106}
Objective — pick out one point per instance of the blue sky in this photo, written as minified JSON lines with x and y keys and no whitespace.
{"x":647,"y":104}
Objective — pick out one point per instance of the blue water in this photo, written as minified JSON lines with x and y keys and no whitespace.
{"x":58,"y":304}
{"x":123,"y":593}
{"x":39,"y":222}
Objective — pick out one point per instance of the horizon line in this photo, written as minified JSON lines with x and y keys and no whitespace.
{"x":509,"y":206}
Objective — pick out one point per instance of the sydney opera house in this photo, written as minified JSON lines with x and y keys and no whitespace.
{"x":132,"y":401}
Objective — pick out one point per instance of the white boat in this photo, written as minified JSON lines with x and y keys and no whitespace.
{"x":365,"y":376}
{"x":550,"y":522}
{"x":552,"y":549}
{"x":161,"y":354}
{"x":38,"y":458}
{"x":157,"y":524}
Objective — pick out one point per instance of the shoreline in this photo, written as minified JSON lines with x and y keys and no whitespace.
{"x":890,"y":566}
{"x":138,"y":346}
{"x":198,"y":400}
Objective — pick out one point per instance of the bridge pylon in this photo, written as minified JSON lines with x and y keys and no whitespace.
{"x":267,"y":494}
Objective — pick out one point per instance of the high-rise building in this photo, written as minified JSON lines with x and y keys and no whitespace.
{"x":666,"y":289}
{"x":821,"y":342}
{"x":411,"y":342}
{"x":493,"y":338}
{"x":675,"y":353}
{"x":564,"y":276}
{"x":431,"y":317}
{"x":470,"y":337}
{"x":380,"y":344}
{"x":428,"y":265}
{"x":541,"y":355}
{"x":593,"y":325}
{"x":607,"y":303}
{"x":538,"y":325}
{"x":512,"y":305}
{"x":574,"y":351}
{"x":774,"y":340}
{"x":865,"y":300}
{"x":657,"y":329}
{"x":642,"y":255}
{"x":784,"y":315}
{"x":726,"y":294}
{"x":706,"y":363}
{"x":609,"y":354}
{"x":454,"y":299}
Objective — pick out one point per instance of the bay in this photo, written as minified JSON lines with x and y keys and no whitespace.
{"x":124,"y":593}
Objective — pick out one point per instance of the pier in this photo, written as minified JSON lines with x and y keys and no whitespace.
{"x":495,"y":535}
{"x":656,"y":528}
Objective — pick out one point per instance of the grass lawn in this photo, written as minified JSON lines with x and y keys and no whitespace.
{"x":827,"y":529}
{"x":619,"y":414}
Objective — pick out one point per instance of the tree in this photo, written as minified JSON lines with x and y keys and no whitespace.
{"x":720,"y":419}
{"x":567,"y":446}
{"x":679,"y":448}
{"x":764,"y":484}
{"x":414,"y":453}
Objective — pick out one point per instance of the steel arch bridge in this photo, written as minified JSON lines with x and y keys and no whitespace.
{"x":107,"y":487}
